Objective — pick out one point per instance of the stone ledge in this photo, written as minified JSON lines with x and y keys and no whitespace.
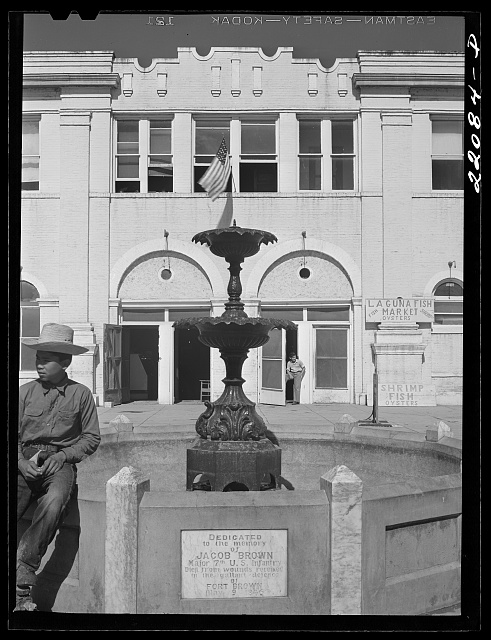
{"x":413,"y":486}
{"x":194,"y":499}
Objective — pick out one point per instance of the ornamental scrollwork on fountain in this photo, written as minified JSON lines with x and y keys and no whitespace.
{"x":202,"y":421}
{"x":230,"y":422}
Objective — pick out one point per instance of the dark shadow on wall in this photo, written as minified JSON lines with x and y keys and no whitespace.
{"x":271,"y":437}
{"x":63,"y":561}
{"x":227,"y":213}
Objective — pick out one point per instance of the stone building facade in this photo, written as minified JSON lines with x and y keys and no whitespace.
{"x":357,"y":169}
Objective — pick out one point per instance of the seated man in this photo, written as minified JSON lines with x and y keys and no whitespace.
{"x":58,"y":427}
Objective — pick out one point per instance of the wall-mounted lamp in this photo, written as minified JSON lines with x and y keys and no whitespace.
{"x":166,"y":273}
{"x":451,"y":265}
{"x":304,"y":271}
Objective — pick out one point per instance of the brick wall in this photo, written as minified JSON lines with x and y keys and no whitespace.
{"x":75,"y":230}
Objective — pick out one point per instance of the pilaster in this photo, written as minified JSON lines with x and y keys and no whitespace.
{"x":48,"y":310}
{"x":397,"y":203}
{"x":344,"y":493}
{"x":398,"y":351}
{"x":357,"y":357}
{"x":73,"y":238}
{"x":288,"y":145}
{"x":124,"y":492}
{"x":114,"y":310}
{"x":83,"y":366}
{"x":183,"y":153}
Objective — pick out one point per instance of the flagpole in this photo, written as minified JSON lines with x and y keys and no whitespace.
{"x":233,"y":181}
{"x":234,"y":187}
{"x":214,"y":180}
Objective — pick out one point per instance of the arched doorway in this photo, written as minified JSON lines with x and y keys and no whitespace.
{"x":160,"y":363}
{"x":314,"y":291}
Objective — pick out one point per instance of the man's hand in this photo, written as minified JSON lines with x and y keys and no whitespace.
{"x":29,"y":469}
{"x":53,"y":464}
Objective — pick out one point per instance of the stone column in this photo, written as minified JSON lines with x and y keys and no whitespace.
{"x":344,"y":494}
{"x":124,"y":492}
{"x":399,"y":351}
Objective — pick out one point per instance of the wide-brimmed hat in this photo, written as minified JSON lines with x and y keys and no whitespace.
{"x":57,"y":338}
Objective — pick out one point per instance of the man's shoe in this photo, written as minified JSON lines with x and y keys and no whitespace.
{"x":23,"y":601}
{"x":25,"y":577}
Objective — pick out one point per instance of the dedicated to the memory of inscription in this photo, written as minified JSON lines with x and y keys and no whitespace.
{"x":234,"y":563}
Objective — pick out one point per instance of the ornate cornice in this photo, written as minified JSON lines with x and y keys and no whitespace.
{"x":408,"y":80}
{"x":71,"y":79}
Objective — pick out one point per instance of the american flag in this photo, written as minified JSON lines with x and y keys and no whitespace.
{"x":215,"y":178}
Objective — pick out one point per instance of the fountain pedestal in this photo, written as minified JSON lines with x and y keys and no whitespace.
{"x":238,"y":465}
{"x":233,"y":452}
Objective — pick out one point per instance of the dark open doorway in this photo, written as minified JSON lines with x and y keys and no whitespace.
{"x":291,"y":345}
{"x":142,"y":362}
{"x":192,"y":360}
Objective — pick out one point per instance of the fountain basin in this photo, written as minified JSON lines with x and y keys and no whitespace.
{"x":410,"y":533}
{"x":234,"y":242}
{"x":241,"y":333}
{"x":376,"y":460}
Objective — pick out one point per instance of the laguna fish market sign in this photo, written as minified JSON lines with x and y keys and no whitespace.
{"x":399,"y":310}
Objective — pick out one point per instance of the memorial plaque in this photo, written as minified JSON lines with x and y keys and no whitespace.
{"x":399,"y":310}
{"x":406,"y":395}
{"x":234,"y":563}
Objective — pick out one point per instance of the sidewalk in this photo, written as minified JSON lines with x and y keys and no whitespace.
{"x":303,"y":419}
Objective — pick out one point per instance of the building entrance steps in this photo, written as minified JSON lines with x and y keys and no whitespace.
{"x":301,"y":419}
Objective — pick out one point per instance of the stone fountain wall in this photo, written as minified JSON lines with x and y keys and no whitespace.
{"x":388,"y":549}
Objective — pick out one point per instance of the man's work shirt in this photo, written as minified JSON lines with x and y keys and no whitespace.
{"x":64,"y":415}
{"x":295,"y":367}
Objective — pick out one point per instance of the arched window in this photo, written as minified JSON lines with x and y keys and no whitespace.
{"x":29,"y":323}
{"x":449,"y":303}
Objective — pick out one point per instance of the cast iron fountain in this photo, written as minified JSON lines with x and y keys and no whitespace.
{"x":233,"y":450}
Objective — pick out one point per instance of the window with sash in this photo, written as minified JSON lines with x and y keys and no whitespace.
{"x":449,"y":303}
{"x":310,"y":156}
{"x":30,"y":155}
{"x":258,"y":166}
{"x":252,"y":143}
{"x":143,"y":159}
{"x":208,"y":137}
{"x":447,"y":155}
{"x":326,"y":155}
{"x":331,"y":357}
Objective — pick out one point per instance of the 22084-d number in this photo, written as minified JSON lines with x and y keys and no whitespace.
{"x":474,"y":121}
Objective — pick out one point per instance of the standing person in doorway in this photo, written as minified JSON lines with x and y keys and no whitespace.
{"x":296,"y":368}
{"x":58,"y":427}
